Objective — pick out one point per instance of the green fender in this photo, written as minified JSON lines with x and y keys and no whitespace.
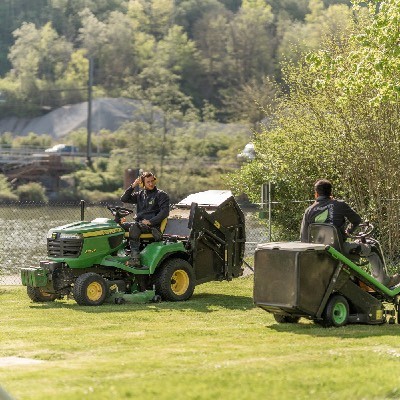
{"x":155,"y":252}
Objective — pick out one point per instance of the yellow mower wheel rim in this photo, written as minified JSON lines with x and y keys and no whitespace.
{"x":94,"y":291}
{"x":180,"y":282}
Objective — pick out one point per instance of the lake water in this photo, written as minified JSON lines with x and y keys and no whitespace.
{"x":23,"y":231}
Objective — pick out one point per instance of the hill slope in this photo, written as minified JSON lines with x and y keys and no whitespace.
{"x":107,"y":113}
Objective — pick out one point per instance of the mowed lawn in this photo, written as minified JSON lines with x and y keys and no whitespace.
{"x":217,"y":345}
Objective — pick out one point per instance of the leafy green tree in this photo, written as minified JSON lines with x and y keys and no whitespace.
{"x":160,"y":81}
{"x":189,"y":12}
{"x":250,"y":41}
{"x":250,"y":101}
{"x":39,"y":58}
{"x":211,"y":34}
{"x":291,"y":9}
{"x":235,"y":49}
{"x":73,"y":83}
{"x":327,"y":129}
{"x":298,"y":38}
{"x":40,"y":53}
{"x":12,"y":14}
{"x":155,"y":17}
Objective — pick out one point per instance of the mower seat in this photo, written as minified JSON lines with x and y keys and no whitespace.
{"x":150,"y":235}
{"x":322,"y":233}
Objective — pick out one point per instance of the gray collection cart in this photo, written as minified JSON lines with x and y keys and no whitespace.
{"x":316,"y":281}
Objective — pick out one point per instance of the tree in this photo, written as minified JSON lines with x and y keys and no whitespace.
{"x":211,"y":35}
{"x":250,"y":41}
{"x":324,"y":128}
{"x":250,"y":101}
{"x":160,"y":82}
{"x":299,"y":38}
{"x":39,"y":58}
{"x":187,"y":13}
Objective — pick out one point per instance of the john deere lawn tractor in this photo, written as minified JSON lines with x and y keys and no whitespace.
{"x":203,"y":240}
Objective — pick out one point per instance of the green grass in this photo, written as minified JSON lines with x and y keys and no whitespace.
{"x":217,"y":345}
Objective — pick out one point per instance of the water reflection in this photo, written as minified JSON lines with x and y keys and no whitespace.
{"x":23,"y":232}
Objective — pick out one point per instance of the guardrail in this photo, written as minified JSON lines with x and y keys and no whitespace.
{"x":24,"y":155}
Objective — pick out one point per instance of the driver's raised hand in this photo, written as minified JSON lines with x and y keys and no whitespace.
{"x":135,"y":183}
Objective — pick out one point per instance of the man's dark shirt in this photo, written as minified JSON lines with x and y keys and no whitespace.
{"x":330,"y":211}
{"x":150,"y":204}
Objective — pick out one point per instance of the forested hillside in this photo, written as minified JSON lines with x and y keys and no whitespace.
{"x":206,"y":59}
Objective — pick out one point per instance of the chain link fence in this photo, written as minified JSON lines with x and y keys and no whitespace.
{"x":24,"y":227}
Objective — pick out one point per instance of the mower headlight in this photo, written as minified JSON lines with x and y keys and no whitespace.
{"x":51,"y":235}
{"x":70,"y":236}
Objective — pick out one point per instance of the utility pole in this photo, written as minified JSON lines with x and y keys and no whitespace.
{"x":89,"y":116}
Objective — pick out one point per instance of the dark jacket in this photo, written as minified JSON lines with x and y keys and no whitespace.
{"x":330,"y":211}
{"x":150,"y":204}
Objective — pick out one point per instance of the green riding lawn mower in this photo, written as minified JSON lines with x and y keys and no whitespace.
{"x":319,"y":281}
{"x":203,"y":240}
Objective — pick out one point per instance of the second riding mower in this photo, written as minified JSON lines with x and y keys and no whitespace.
{"x":87,"y":260}
{"x":318,"y":281}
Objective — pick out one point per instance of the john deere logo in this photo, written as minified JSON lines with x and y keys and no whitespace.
{"x":90,"y":251}
{"x":54,"y":235}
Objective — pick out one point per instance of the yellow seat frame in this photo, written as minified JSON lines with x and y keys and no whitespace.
{"x":150,"y":235}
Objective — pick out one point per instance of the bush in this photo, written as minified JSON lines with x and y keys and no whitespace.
{"x":6,"y":193}
{"x":32,"y":191}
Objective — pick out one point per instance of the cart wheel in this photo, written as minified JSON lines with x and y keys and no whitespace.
{"x":336,"y":312}
{"x":286,"y":319}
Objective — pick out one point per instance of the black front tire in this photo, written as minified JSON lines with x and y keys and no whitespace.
{"x":175,"y":280}
{"x":38,"y":295}
{"x":336,"y":312}
{"x":90,"y":289}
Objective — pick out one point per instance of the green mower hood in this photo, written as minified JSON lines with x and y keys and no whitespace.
{"x":82,"y":244}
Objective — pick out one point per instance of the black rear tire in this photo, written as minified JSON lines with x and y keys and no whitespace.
{"x":90,"y":289}
{"x":38,"y":295}
{"x":175,"y":280}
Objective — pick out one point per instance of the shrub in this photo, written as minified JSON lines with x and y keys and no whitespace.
{"x":32,"y":191}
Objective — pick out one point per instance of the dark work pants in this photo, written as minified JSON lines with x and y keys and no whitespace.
{"x":135,"y":230}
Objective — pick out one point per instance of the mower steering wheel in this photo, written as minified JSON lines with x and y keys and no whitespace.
{"x":120,"y":211}
{"x":365,"y":230}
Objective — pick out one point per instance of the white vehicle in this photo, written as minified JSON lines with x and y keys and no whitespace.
{"x":62,"y":148}
{"x":248,"y":153}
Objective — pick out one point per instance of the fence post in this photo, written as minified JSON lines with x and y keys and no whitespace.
{"x":82,"y":210}
{"x":266,"y":200}
{"x":269,"y":212}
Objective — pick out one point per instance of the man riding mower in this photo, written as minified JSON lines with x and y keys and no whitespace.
{"x":317,"y":281}
{"x":88,"y":260}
